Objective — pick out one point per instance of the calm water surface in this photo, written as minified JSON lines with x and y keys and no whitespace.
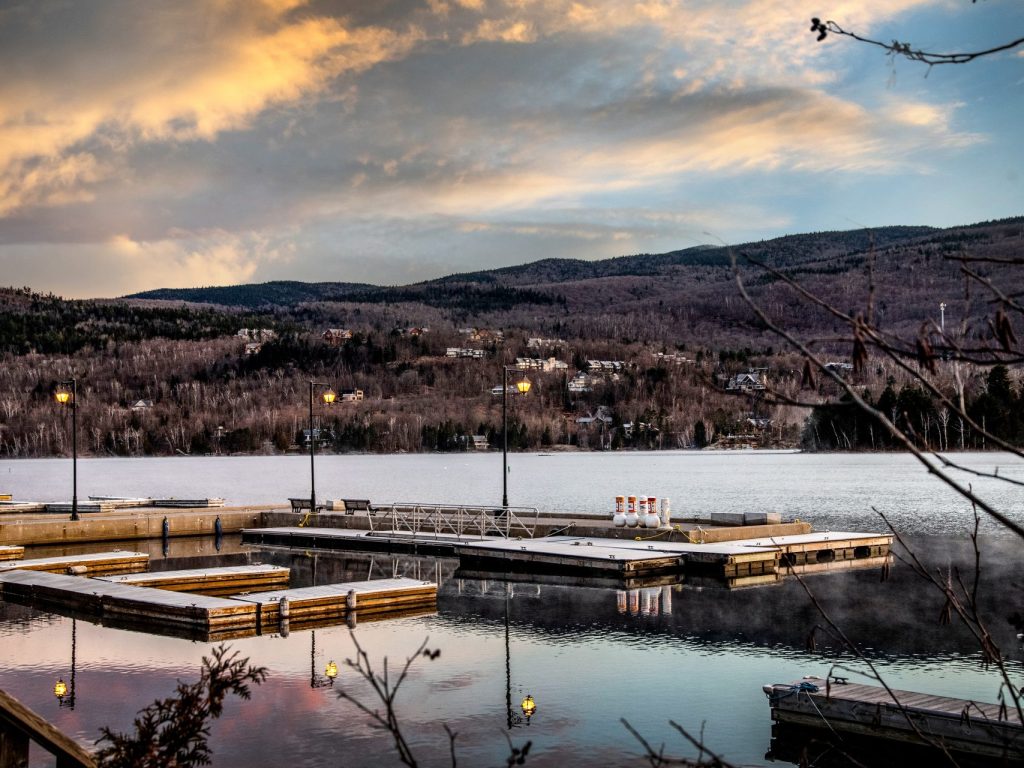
{"x":696,"y":652}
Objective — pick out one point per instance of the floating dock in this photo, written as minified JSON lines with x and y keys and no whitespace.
{"x":826,"y":546}
{"x":337,"y":601}
{"x":11,"y":552}
{"x":743,"y":559}
{"x":94,"y":564}
{"x":186,"y":614}
{"x":958,"y":725}
{"x":227,"y":580}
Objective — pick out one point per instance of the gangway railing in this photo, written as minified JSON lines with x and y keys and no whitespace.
{"x":477,"y":521}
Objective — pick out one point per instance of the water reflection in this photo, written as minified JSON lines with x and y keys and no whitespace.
{"x":695,"y":651}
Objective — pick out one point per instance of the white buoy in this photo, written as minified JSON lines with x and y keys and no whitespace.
{"x":651,"y":520}
{"x":631,"y":516}
{"x":619,"y":518}
{"x":666,"y":513}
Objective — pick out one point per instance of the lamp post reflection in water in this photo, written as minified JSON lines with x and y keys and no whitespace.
{"x":66,"y":693}
{"x":528,"y":705}
{"x":330,"y":671}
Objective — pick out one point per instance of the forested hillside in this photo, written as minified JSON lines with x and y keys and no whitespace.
{"x":169,"y":372}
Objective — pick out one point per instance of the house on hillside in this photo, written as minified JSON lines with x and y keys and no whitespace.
{"x":336,"y":336}
{"x":483,"y":335}
{"x":252,"y":348}
{"x":350,"y":395}
{"x":465,"y":352}
{"x":539,"y":364}
{"x":539,"y":343}
{"x":256,"y":334}
{"x":141,"y":405}
{"x":751,"y":381}
{"x":605,"y":367}
{"x":601,"y":417}
{"x":580,"y":383}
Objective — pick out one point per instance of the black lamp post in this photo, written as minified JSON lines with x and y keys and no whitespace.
{"x":522,"y":387}
{"x":328,"y":397}
{"x":67,"y":394}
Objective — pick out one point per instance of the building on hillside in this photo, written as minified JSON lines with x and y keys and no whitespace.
{"x":252,"y":348}
{"x":601,"y":417}
{"x":336,"y":336}
{"x":466,"y":352}
{"x":483,"y":335}
{"x":539,"y":343}
{"x":751,"y":381}
{"x":603,"y":367}
{"x":539,"y":364}
{"x":141,"y":405}
{"x":480,"y":443}
{"x":671,"y":358}
{"x":350,"y":395}
{"x":580,"y":383}
{"x":256,"y":334}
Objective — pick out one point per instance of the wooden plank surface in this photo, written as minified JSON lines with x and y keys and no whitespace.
{"x":11,"y":552}
{"x":961,"y":724}
{"x":225,"y":580}
{"x":96,"y":561}
{"x":68,"y":752}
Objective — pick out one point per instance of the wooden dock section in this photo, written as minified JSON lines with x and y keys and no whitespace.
{"x":728,"y":560}
{"x":137,"y":606}
{"x":957,"y":724}
{"x":227,"y":580}
{"x":11,"y":552}
{"x":184,"y":614}
{"x":95,"y":564}
{"x":744,"y":560}
{"x":337,"y":601}
{"x":826,"y":546}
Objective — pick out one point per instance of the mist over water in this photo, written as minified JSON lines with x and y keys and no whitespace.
{"x":696,"y":652}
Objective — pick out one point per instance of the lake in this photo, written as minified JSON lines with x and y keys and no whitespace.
{"x":696,"y":653}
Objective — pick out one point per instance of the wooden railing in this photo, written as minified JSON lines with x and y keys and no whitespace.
{"x":19,"y":725}
{"x":464,"y":520}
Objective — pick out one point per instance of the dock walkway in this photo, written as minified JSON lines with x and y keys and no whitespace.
{"x":625,"y":557}
{"x":221,"y":580}
{"x":166,"y":612}
{"x":96,"y":563}
{"x":869,"y":710}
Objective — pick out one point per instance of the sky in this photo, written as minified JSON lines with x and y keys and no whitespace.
{"x":192,"y":143}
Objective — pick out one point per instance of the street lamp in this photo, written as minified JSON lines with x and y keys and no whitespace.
{"x":67,"y":395}
{"x":522,"y":387}
{"x":328,"y":397}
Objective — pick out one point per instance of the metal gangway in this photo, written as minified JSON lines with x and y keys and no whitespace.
{"x":463,"y":521}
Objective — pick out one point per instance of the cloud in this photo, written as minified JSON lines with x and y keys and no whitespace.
{"x":123,"y":265}
{"x":185,"y":73}
{"x":336,"y":139}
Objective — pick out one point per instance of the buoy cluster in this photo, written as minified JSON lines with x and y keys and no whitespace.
{"x":641,"y":511}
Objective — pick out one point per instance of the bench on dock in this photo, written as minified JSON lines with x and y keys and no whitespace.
{"x":356,"y":505}
{"x":298,"y":505}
